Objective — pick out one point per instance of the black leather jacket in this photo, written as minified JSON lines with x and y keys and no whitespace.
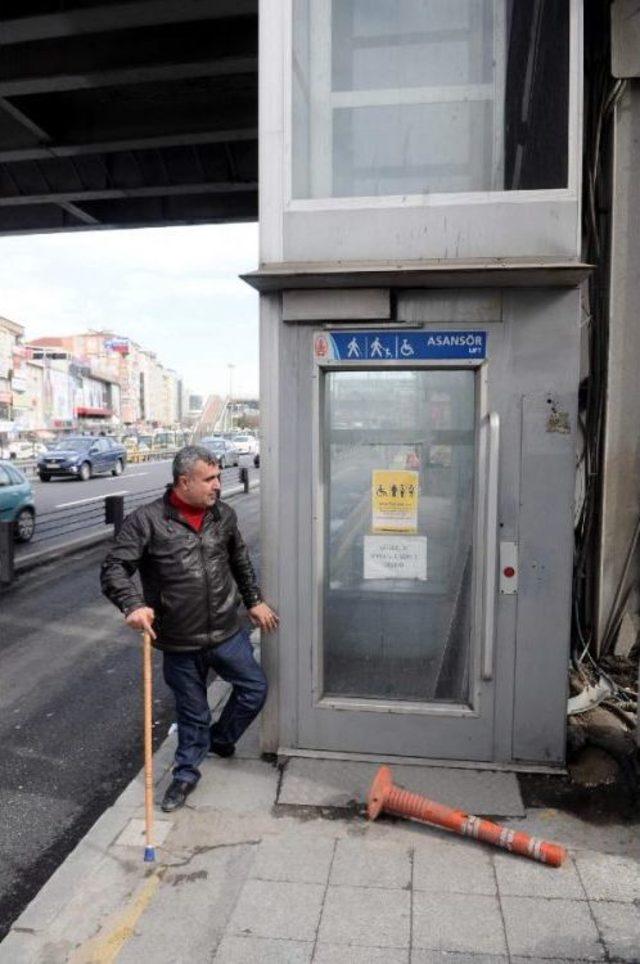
{"x":190,"y":579}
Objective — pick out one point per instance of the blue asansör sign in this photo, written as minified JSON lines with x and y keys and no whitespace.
{"x":385,"y":345}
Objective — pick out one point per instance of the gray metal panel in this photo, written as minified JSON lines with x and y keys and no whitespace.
{"x":285,"y":505}
{"x":542,"y":333}
{"x":270,"y":473}
{"x":625,"y":38}
{"x":544,"y":598}
{"x":452,"y":231}
{"x":508,"y":508}
{"x":336,"y":304}
{"x":450,"y":306}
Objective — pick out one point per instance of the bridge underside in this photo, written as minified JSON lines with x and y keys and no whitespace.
{"x":127,"y":114}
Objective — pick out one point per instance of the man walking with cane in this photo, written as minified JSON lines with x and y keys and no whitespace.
{"x":194,"y":569}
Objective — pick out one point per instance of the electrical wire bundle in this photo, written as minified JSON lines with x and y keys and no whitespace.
{"x":602,"y":93}
{"x":593,"y":668}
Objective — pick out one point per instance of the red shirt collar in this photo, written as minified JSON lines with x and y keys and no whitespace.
{"x":191,"y":514}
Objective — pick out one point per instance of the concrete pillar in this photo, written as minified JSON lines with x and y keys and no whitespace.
{"x":621,"y":495}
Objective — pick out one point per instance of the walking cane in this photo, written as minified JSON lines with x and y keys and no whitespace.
{"x":149,"y":850}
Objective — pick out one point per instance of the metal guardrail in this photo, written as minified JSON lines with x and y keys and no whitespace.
{"x":98,"y":514}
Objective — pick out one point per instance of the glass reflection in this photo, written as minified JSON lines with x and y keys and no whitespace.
{"x":395,"y":97}
{"x":394,"y":626}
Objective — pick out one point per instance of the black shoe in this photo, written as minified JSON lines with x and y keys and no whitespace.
{"x":222,"y":749}
{"x":176,"y":795}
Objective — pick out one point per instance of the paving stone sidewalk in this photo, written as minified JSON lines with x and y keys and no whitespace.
{"x":239,"y":879}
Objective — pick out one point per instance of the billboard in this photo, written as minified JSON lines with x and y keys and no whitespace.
{"x":58,"y":397}
{"x":119,"y":345}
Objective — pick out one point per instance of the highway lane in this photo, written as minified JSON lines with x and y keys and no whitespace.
{"x":70,"y":712}
{"x":66,"y":508}
{"x":61,"y":493}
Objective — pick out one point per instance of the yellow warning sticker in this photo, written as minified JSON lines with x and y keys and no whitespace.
{"x":394,"y":500}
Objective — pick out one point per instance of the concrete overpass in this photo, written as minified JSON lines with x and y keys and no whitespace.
{"x":129,"y":113}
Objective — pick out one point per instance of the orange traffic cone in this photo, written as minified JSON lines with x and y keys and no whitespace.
{"x":384,"y":795}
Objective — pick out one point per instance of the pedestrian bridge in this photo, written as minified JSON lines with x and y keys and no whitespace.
{"x":127,"y":114}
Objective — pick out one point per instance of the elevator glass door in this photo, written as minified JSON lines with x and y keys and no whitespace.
{"x":399,"y":534}
{"x":396,"y":660}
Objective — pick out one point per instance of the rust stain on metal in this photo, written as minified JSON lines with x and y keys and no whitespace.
{"x":558,"y":422}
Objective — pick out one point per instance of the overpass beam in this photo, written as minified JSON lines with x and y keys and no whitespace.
{"x":121,"y":16}
{"x":40,"y":152}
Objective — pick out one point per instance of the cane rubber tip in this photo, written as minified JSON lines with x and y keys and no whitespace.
{"x":149,"y":854}
{"x":382,"y":783}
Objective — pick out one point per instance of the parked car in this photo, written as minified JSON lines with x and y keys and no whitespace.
{"x":16,"y":502}
{"x":245,"y":444}
{"x":82,"y":456}
{"x":224,"y":450}
{"x":137,"y":450}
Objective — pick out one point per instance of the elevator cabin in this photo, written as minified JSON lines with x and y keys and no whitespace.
{"x":420,"y":326}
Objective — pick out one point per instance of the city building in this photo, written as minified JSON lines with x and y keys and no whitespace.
{"x":147,"y":395}
{"x":10,"y":357}
{"x":97,"y":405}
{"x":59,"y":387}
{"x":66,"y":394}
{"x":32,"y":419}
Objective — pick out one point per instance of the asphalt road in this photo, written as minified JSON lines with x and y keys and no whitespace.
{"x":63,"y":493}
{"x":70,"y":712}
{"x":67,"y":508}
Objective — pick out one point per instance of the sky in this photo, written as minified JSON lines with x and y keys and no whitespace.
{"x":175,"y":291}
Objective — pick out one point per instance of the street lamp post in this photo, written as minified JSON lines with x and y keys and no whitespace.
{"x":230,"y":399}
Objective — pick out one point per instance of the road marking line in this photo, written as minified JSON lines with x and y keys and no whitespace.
{"x":96,"y":498}
{"x":134,"y":475}
{"x":119,"y":928}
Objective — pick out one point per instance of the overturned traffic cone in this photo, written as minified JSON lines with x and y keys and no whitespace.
{"x":384,"y":795}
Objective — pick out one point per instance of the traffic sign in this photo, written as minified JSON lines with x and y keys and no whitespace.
{"x":374,"y":347}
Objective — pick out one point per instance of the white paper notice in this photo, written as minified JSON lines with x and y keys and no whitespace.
{"x":395,"y":557}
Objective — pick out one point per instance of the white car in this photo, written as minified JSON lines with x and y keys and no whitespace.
{"x":246,"y":444}
{"x":21,"y":450}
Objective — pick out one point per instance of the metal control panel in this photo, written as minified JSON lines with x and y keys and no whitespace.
{"x":508,"y":568}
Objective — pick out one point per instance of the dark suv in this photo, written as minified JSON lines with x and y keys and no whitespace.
{"x":81,"y":456}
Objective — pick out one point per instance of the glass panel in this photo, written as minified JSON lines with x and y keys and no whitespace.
{"x":420,"y":96}
{"x":446,"y":147}
{"x":400,"y":463}
{"x":411,"y":43}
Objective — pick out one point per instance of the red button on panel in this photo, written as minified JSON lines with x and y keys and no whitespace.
{"x":509,"y":572}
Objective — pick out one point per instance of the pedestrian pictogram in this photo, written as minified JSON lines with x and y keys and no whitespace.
{"x":394,"y":498}
{"x":383,"y":345}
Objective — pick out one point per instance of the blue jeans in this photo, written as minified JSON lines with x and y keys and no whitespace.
{"x":186,"y":675}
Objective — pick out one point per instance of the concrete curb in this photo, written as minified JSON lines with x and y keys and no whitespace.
{"x":40,"y":557}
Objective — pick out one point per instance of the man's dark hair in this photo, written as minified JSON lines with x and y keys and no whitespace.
{"x":185,"y":460}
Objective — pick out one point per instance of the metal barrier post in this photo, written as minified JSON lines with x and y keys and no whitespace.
{"x":6,"y":553}
{"x":114,"y":512}
{"x":244,"y":477}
